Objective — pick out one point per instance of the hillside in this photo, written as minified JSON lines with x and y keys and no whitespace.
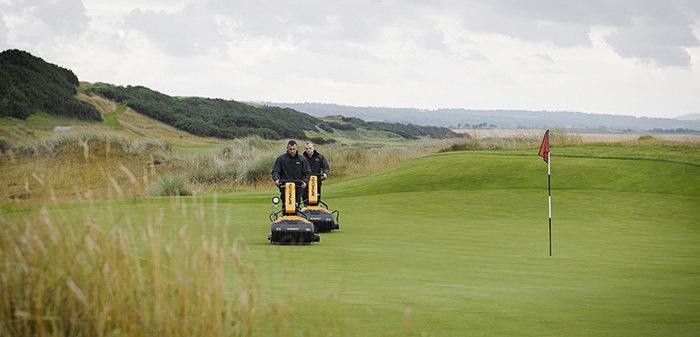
{"x":29,"y":85}
{"x":230,"y":119}
{"x":689,"y":117}
{"x":492,"y":119}
{"x":210,"y":117}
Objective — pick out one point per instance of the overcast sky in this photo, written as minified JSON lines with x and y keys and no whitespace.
{"x":625,"y":57}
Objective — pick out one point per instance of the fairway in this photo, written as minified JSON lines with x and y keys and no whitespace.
{"x":457,"y":245}
{"x":469,"y":261}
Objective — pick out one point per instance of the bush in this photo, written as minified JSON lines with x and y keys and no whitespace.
{"x":213,"y":174}
{"x":258,"y":170}
{"x":169,"y":185}
{"x":326,"y":127}
{"x":321,"y":141}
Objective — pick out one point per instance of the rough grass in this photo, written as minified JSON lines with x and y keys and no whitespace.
{"x":122,"y":270}
{"x":69,"y":165}
{"x":76,"y":165}
{"x":513,"y":141}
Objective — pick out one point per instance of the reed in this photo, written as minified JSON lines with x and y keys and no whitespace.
{"x":73,"y":163}
{"x":513,"y":140}
{"x":112,"y":271}
{"x":76,"y":163}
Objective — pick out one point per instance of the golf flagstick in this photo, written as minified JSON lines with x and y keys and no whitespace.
{"x":544,"y":153}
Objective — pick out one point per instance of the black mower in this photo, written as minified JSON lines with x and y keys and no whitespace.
{"x":320,"y":216}
{"x":294,"y":227}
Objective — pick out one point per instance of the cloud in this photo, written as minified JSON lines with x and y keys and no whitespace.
{"x":661,"y":45}
{"x":190,"y":31}
{"x":545,"y":57}
{"x":3,"y":32}
{"x":65,"y":17}
{"x":652,"y":31}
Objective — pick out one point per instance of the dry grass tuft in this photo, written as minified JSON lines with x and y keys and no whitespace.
{"x":74,"y":162}
{"x":115,"y":272}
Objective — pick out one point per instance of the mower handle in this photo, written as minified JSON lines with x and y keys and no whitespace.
{"x":319,"y":175}
{"x":296,"y":182}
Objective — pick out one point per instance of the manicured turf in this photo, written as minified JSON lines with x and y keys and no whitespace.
{"x":457,"y":245}
{"x":461,"y":241}
{"x":470,"y":257}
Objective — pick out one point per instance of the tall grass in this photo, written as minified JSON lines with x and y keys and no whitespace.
{"x":349,"y":162}
{"x":98,"y":143}
{"x":116,"y":271}
{"x":169,"y":185}
{"x":246,"y":163}
{"x":473,"y":143}
{"x":73,"y":164}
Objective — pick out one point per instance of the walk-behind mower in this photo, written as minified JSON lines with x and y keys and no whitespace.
{"x":293,"y":227}
{"x":320,"y":216}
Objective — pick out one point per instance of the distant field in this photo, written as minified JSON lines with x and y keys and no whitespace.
{"x":585,"y":137}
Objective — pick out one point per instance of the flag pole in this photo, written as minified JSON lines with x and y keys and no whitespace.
{"x":544,"y":153}
{"x":549,"y":192}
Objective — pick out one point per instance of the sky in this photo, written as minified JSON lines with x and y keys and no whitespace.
{"x":621,"y":57}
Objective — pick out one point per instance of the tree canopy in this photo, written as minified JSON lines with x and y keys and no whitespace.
{"x":29,"y":84}
{"x":209,"y":117}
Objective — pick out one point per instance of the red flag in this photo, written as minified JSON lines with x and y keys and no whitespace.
{"x":544,"y":148}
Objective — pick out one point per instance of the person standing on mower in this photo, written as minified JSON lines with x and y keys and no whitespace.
{"x":318,"y":164}
{"x":291,"y":166}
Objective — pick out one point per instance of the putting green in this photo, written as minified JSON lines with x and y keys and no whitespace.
{"x":455,"y":245}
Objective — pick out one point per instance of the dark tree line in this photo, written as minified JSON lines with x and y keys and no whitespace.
{"x":231,"y":119}
{"x":211,"y":117}
{"x":408,"y":131}
{"x":28,"y":84}
{"x":677,"y":130}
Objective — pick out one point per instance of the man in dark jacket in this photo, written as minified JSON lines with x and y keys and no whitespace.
{"x":318,"y":165}
{"x":291,"y":166}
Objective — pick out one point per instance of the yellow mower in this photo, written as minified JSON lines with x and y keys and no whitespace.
{"x":320,"y":216}
{"x":293,"y":227}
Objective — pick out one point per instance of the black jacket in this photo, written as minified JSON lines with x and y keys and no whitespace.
{"x":291,"y":168}
{"x":317,"y":162}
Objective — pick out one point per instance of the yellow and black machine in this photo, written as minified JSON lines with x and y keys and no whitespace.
{"x":320,"y":216}
{"x":290,"y":225}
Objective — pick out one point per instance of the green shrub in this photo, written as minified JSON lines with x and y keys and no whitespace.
{"x":169,"y":185}
{"x":258,"y":170}
{"x":213,"y":174}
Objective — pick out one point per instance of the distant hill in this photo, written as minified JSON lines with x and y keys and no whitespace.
{"x":207,"y":117}
{"x":220,"y":118}
{"x":689,"y":117}
{"x":502,"y":119}
{"x":28,"y":85}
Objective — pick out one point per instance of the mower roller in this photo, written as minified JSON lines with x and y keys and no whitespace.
{"x":293,"y":227}
{"x":320,"y":216}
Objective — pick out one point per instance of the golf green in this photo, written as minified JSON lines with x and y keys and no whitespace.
{"x":471,"y":256}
